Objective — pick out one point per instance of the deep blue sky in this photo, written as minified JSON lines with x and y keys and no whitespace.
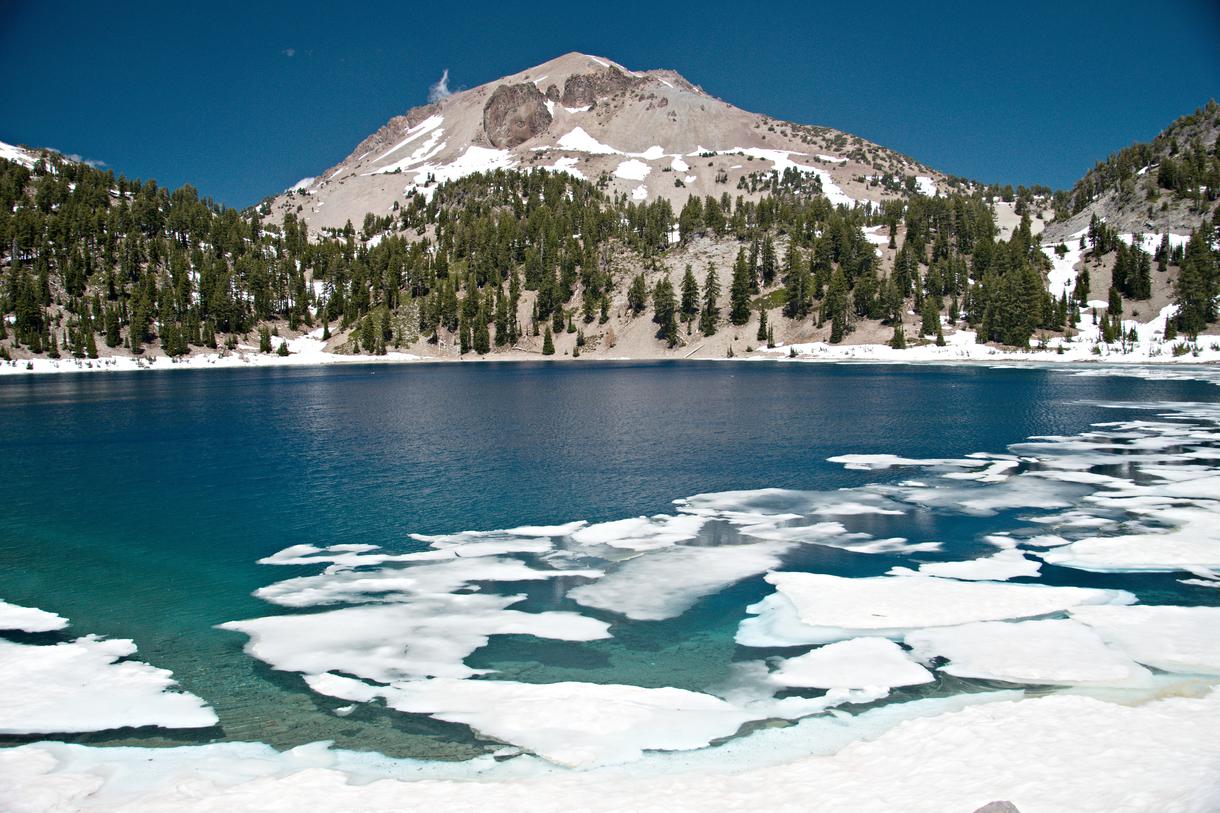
{"x":243,"y":99}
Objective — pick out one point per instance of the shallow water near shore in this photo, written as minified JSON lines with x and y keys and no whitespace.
{"x":139,"y":506}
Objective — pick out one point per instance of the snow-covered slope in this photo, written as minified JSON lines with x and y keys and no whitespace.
{"x":647,"y":134}
{"x":18,"y":155}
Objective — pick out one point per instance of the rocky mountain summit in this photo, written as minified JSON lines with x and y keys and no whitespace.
{"x":640,"y":134}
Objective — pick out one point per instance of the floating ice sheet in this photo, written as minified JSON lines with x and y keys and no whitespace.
{"x":1056,"y":651}
{"x":569,"y":723}
{"x":83,"y":685}
{"x":853,"y":664}
{"x":1005,"y":565}
{"x":1174,"y":639}
{"x":666,"y":583}
{"x":421,"y":637}
{"x":29,"y":619}
{"x":812,"y":608}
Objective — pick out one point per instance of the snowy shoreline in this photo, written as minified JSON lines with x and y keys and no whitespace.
{"x":963,"y":353}
{"x":955,"y":758}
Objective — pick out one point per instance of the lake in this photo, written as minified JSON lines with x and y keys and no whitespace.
{"x":140,"y":505}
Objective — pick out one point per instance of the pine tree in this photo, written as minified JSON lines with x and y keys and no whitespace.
{"x":90,"y":345}
{"x":1196,"y":289}
{"x":264,"y":340}
{"x":283,"y":349}
{"x":501,"y":318}
{"x":835,"y":306}
{"x":637,"y":294}
{"x":930,"y":317}
{"x":481,"y":338}
{"x":548,"y":343}
{"x":754,"y":281}
{"x":739,"y":291}
{"x":1081,"y":291}
{"x":711,"y":311}
{"x":762,"y":322}
{"x":899,"y":341}
{"x":690,"y":296}
{"x":664,"y":311}
{"x":767,"y":266}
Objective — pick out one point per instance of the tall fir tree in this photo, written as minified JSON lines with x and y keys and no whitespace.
{"x":690,"y":296}
{"x":664,"y":311}
{"x":710,"y":314}
{"x":739,"y":290}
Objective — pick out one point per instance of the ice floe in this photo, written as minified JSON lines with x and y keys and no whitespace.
{"x":815,"y":608}
{"x":86,"y":685}
{"x":29,"y":619}
{"x":641,"y":533}
{"x":1170,"y":638}
{"x":1192,"y":541}
{"x":569,"y":723}
{"x":856,"y":663}
{"x":419,"y":637}
{"x":667,"y":583}
{"x":1002,"y":566}
{"x":1053,"y":651}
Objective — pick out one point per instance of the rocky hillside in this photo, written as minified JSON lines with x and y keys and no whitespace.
{"x":641,"y":134}
{"x":1170,"y":184}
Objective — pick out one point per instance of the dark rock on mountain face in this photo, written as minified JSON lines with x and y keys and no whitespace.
{"x":514,"y":114}
{"x":584,"y":89}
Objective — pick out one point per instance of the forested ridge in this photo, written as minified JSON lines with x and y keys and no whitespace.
{"x":1182,"y":164}
{"x":93,"y":264}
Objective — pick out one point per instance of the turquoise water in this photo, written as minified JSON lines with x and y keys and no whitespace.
{"x":137,"y":505}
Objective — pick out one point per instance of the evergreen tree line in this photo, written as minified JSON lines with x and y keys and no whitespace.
{"x":96,"y":258}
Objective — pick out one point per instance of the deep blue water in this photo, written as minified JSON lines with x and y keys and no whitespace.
{"x":138,"y":504}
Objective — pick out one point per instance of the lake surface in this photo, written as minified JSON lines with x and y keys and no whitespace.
{"x":139,"y":505}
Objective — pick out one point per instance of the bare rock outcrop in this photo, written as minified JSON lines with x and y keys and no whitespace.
{"x":515,"y":114}
{"x":998,"y":807}
{"x":584,"y":89}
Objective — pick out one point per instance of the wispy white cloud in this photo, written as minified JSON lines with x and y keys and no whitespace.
{"x":289,"y":52}
{"x":440,"y":90}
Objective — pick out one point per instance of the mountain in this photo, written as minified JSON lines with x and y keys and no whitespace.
{"x":642,"y":134}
